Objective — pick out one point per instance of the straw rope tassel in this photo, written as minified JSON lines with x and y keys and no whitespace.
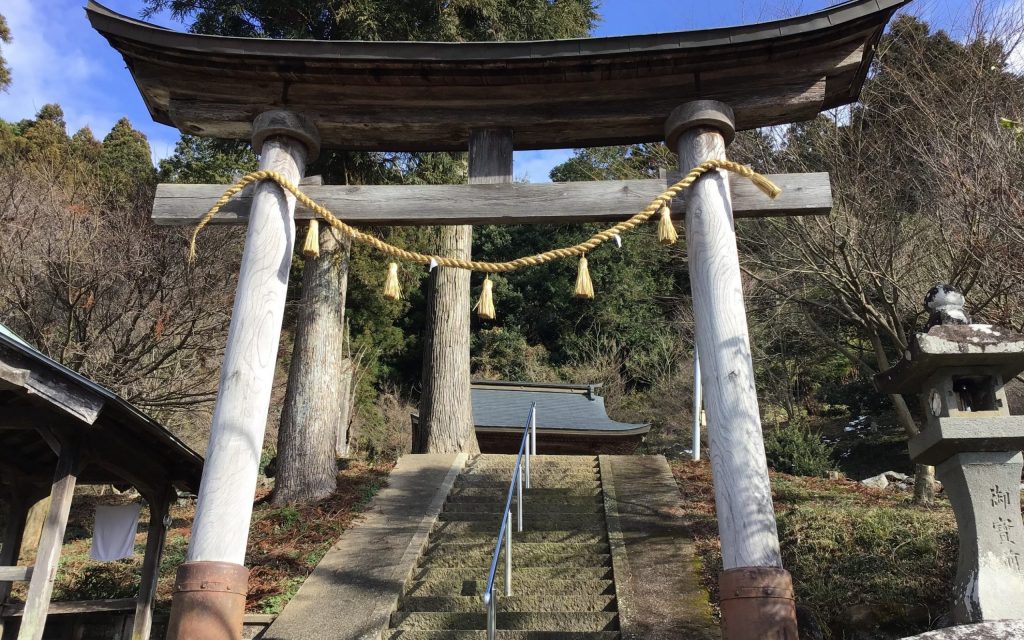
{"x":311,"y":248}
{"x":584,"y":286}
{"x":392,"y":291}
{"x":666,"y":230}
{"x":391,"y":250}
{"x":485,"y":308}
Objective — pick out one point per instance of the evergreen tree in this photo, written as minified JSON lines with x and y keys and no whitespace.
{"x":125,"y":165}
{"x":5,"y":71}
{"x":638,"y":286}
{"x":207,"y":161}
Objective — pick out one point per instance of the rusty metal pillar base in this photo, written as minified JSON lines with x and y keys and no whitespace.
{"x":757,"y":604}
{"x":208,"y":601}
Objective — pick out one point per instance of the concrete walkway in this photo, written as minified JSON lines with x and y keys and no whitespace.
{"x":604,"y":556}
{"x":657,"y":577}
{"x":352,"y":592}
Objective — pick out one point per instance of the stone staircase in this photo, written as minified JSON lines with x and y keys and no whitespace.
{"x":562,"y":582}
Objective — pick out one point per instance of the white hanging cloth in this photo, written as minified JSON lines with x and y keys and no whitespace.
{"x":113,"y":532}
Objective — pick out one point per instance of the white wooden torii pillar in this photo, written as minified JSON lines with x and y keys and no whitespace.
{"x":210,"y":587}
{"x":756,"y":592}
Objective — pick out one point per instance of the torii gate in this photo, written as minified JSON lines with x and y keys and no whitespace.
{"x":690,"y":89}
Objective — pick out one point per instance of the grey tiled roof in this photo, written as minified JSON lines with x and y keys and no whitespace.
{"x":556,"y":410}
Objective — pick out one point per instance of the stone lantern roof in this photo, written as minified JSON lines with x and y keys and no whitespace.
{"x":954,"y":345}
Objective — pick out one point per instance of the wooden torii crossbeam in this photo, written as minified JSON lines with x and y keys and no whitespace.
{"x":693,"y":90}
{"x":550,"y":203}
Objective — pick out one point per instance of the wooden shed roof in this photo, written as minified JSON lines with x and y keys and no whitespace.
{"x":120,"y":444}
{"x":421,"y":96}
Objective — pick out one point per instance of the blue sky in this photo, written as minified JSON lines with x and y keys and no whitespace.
{"x":57,"y":57}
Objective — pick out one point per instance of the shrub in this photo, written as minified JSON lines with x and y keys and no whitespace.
{"x":795,"y":450}
{"x":381,"y":430}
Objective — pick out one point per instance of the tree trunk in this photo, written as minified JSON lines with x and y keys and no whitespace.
{"x":446,"y":412}
{"x":924,"y":475}
{"x":311,"y":417}
{"x":345,"y":399}
{"x":924,"y":484}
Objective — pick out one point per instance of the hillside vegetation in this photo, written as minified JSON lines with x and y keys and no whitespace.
{"x":928,"y":179}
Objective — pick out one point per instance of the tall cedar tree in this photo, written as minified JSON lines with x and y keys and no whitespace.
{"x":311,"y":416}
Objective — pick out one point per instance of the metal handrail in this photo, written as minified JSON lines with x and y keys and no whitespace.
{"x":528,"y":446}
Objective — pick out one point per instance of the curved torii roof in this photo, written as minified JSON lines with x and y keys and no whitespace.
{"x":426,"y":96}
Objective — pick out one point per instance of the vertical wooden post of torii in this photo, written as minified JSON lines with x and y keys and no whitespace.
{"x":756,"y":592}
{"x":209,"y":592}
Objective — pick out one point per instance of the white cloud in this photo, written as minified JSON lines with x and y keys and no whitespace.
{"x":46,"y":64}
{"x":56,"y":57}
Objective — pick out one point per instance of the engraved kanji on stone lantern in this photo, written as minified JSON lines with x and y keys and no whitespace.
{"x":958,"y":370}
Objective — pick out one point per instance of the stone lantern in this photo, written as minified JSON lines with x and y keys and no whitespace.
{"x":958,"y":370}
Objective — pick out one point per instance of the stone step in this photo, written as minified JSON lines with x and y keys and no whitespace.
{"x":534,"y":468}
{"x":451,"y":587}
{"x":479,"y":574}
{"x":522,"y":558}
{"x":535,"y":472}
{"x":567,"y":506}
{"x":466,"y":527}
{"x":568,"y":486}
{"x":536,"y":482}
{"x":527,"y":621}
{"x":528,"y":549}
{"x":509,"y":459}
{"x":500,"y":634}
{"x":517,"y":603}
{"x":536,"y":521}
{"x":476,"y":494}
{"x":574,"y":489}
{"x":535,"y":465}
{"x":470,"y":533}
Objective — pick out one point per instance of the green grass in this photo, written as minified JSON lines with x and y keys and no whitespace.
{"x":275,"y":603}
{"x":845,"y":546}
{"x":366,"y":494}
{"x":288,"y":518}
{"x":893,"y":558}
